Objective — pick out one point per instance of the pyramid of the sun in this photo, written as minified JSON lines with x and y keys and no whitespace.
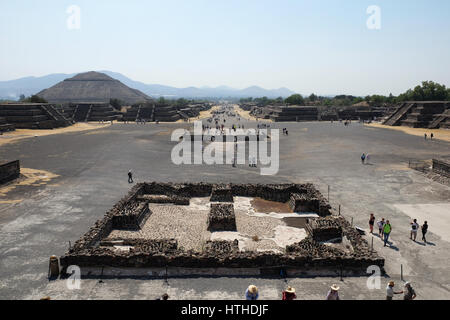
{"x":92,"y":87}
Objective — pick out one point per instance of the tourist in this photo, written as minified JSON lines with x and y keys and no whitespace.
{"x":367,"y":158}
{"x":380,"y":228}
{"x":431,"y":136}
{"x":387,"y":229}
{"x":425,"y":135}
{"x":287,"y":132}
{"x":371,"y":222}
{"x":333,"y":294}
{"x":251,"y":293}
{"x":165,"y":296}
{"x":409,"y":293}
{"x":390,"y":291}
{"x":424,"y":231}
{"x":414,"y":228}
{"x":289,"y":294}
{"x":130,"y":176}
{"x":363,"y":158}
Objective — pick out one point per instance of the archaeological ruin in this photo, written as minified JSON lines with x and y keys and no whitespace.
{"x":9,"y":171}
{"x":421,"y":114}
{"x":214,"y":229}
{"x":32,"y":116}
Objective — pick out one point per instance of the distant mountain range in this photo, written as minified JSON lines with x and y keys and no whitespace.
{"x":31,"y":85}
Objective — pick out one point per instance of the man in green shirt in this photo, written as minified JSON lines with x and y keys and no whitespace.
{"x":387,"y":228}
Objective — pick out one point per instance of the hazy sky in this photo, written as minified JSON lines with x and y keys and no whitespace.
{"x":321,"y":46}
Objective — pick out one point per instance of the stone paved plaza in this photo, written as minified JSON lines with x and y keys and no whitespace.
{"x":78,"y":176}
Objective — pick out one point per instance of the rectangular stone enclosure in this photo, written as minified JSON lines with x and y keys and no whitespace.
{"x":309,"y":256}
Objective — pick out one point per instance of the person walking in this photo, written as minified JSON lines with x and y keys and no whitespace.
{"x":371,"y":222}
{"x":333,"y":293}
{"x":130,"y":176}
{"x":251,"y":293}
{"x":424,"y":231}
{"x":387,"y":229}
{"x":414,"y":228}
{"x":367,"y":158}
{"x":409,"y":293}
{"x":390,"y":291}
{"x":431,"y":136}
{"x":289,"y":294}
{"x":425,"y":135}
{"x":380,"y":228}
{"x":363,"y":158}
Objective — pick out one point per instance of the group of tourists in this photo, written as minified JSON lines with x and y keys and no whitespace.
{"x":385,"y":229}
{"x":431,"y":136}
{"x":408,"y":292}
{"x":285,"y":131}
{"x":365,"y":158}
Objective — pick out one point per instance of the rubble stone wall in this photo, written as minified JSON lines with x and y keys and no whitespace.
{"x":9,"y":171}
{"x":221,"y":217}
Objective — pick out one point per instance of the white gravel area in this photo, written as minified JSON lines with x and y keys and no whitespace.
{"x":187,"y":224}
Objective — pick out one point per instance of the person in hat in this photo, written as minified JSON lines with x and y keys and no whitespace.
{"x":390,"y":291}
{"x":333,"y":294}
{"x":165,"y":296}
{"x":409,"y":293}
{"x":251,"y":293}
{"x":289,"y":294}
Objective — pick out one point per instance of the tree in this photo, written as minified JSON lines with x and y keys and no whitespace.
{"x":116,"y":103}
{"x":35,"y":99}
{"x":428,"y":91}
{"x":312,"y":97}
{"x":295,"y":99}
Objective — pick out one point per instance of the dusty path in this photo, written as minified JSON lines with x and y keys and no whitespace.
{"x":439,"y":134}
{"x":246,"y":115}
{"x":20,"y":134}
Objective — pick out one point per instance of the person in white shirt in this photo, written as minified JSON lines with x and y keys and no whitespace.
{"x":414,"y":228}
{"x":390,"y":291}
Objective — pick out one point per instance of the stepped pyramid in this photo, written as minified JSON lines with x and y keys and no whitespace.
{"x":92,"y":87}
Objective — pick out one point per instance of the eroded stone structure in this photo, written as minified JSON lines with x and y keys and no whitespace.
{"x":9,"y":171}
{"x":309,"y":256}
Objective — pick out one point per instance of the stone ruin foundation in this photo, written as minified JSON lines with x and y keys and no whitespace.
{"x":222,"y":218}
{"x":347,"y":253}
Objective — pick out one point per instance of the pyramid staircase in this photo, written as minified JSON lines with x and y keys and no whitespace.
{"x":4,"y":126}
{"x":396,"y":118}
{"x":32,"y":116}
{"x":443,"y":120}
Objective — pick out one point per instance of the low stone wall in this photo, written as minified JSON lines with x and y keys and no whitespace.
{"x":9,"y":171}
{"x":221,"y":217}
{"x":222,"y":193}
{"x":324,"y":229}
{"x":441,"y":167}
{"x":132,"y":216}
{"x":177,"y":200}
